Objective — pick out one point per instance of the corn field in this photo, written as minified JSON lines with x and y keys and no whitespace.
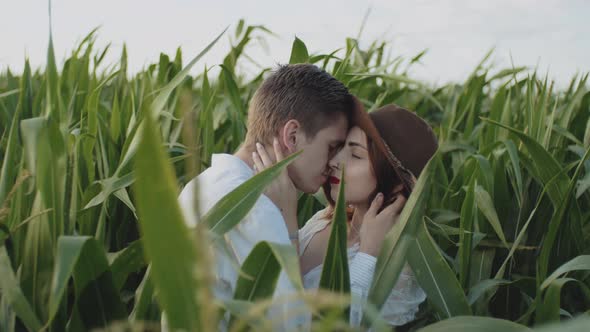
{"x":92,"y":160}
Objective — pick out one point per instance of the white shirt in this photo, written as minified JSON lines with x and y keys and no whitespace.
{"x":402,"y":304}
{"x":264,"y":222}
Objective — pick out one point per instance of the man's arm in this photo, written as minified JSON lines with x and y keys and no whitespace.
{"x":266,"y":223}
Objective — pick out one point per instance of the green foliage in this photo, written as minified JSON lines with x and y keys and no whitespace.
{"x":92,"y":159}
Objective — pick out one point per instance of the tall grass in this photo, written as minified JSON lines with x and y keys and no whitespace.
{"x":93,"y":158}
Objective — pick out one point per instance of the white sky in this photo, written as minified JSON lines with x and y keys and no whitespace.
{"x":553,"y":34}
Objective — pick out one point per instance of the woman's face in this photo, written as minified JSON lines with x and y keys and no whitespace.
{"x":360,"y":180}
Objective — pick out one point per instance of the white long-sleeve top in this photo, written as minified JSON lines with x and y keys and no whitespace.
{"x":264,"y":222}
{"x":402,"y":304}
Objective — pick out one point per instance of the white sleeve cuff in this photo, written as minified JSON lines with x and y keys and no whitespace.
{"x":362,"y":269}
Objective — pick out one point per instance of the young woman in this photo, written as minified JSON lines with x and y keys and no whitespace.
{"x":385,"y":151}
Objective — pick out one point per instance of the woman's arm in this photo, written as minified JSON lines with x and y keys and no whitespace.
{"x":403,"y":302}
{"x":372,"y":234}
{"x":401,"y":305}
{"x":362,"y":269}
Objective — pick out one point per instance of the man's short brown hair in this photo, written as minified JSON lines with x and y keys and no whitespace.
{"x":302,"y":92}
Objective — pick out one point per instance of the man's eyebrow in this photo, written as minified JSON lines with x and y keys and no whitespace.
{"x":356,"y":144}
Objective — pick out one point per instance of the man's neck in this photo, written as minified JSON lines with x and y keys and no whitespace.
{"x":245,"y":154}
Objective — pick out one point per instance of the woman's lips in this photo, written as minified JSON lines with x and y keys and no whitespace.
{"x":334,"y":180}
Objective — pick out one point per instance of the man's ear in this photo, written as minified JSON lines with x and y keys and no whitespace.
{"x":290,"y":134}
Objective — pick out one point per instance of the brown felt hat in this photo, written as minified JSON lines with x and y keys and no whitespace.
{"x":406,"y":140}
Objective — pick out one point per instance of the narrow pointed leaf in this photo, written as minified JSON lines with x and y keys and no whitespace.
{"x":233,"y":207}
{"x":579,"y":263}
{"x":398,"y":241}
{"x":486,"y":206}
{"x":261,"y":270}
{"x":12,"y":293}
{"x":165,"y":234}
{"x":436,"y":278}
{"x":97,"y":297}
{"x":299,"y":52}
{"x":335,"y":275}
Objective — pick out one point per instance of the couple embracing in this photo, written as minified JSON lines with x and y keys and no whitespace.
{"x":301,"y":107}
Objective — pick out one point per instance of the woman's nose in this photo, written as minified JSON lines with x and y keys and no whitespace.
{"x":334,"y":165}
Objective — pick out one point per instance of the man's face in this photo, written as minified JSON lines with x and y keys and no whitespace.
{"x":310,"y":170}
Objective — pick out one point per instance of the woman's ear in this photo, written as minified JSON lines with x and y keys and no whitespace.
{"x":289,"y":135}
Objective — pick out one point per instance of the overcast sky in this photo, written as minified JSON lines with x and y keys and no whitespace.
{"x":555,"y":35}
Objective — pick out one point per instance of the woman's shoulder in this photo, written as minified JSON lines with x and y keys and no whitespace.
{"x":316,"y":223}
{"x":319,"y":220}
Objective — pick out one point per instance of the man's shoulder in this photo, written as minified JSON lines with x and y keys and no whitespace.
{"x":219,"y":180}
{"x":214,"y":183}
{"x":224,"y":175}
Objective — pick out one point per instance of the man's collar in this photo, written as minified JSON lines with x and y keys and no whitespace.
{"x":225,"y":160}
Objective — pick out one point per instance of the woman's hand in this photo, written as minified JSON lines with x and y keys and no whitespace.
{"x":281,"y":191}
{"x":376,"y":225}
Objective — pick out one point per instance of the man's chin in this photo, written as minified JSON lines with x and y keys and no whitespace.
{"x":311,"y":189}
{"x":304,"y":188}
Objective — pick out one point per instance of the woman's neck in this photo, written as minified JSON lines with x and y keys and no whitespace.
{"x":357,"y":222}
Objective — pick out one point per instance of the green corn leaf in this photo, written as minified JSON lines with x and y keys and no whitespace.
{"x":549,"y":308}
{"x":335,"y":275}
{"x":435,"y":276}
{"x":12,"y":293}
{"x":98,"y":302}
{"x":579,"y":263}
{"x":233,"y":207}
{"x":468,"y":219}
{"x":126,"y":261}
{"x":299,"y":52}
{"x":165,"y":235}
{"x":400,"y":239}
{"x":482,"y":324}
{"x":261,"y":270}
{"x":486,"y":206}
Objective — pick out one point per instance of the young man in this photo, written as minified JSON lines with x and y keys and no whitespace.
{"x":304,"y":108}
